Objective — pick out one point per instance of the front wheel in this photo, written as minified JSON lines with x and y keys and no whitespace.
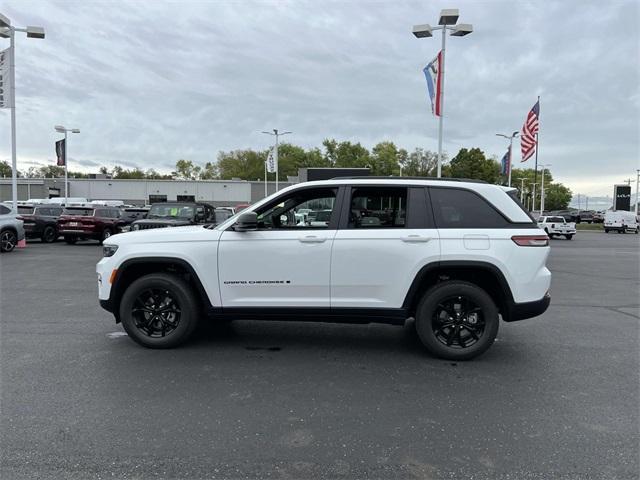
{"x":457,"y":320}
{"x":606,"y":230}
{"x":159,"y":311}
{"x":8,"y":241}
{"x":49,"y":234}
{"x":71,"y":240}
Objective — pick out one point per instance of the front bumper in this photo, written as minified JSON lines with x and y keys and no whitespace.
{"x":522,"y":311}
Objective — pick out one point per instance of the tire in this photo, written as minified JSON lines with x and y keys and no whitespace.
{"x":149,"y":326}
{"x":606,"y":230}
{"x":106,"y":233}
{"x":71,"y":240}
{"x":8,"y":241}
{"x":569,"y":237}
{"x":442,"y":343}
{"x":49,"y":234}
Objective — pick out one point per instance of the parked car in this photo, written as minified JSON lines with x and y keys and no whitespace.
{"x":40,"y":221}
{"x":620,"y":221}
{"x":11,"y":229}
{"x":241,"y":206}
{"x":569,"y":215}
{"x":586,"y":216}
{"x":131,"y":214}
{"x":89,"y":223}
{"x":598,"y":217}
{"x":557,"y":226}
{"x":178,"y":214}
{"x":454,"y":255}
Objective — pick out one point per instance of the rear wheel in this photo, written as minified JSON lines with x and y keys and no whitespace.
{"x":49,"y":234}
{"x":457,"y":320}
{"x":106,"y":233}
{"x":71,"y":240}
{"x":569,"y":237}
{"x":606,"y":230}
{"x":159,"y":311}
{"x":8,"y":241}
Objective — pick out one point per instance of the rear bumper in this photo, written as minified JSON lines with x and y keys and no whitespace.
{"x":522,"y":311}
{"x":79,"y":233}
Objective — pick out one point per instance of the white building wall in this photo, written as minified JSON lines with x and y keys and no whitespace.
{"x":139,"y":190}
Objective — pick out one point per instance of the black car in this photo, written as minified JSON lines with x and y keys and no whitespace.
{"x":130,"y":214}
{"x":177,"y":214}
{"x":40,"y":221}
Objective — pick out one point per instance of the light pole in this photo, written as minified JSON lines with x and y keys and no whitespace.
{"x":276,"y":134}
{"x":542,"y":188}
{"x":447,"y":21}
{"x":637,"y":184}
{"x":522,"y":180}
{"x":61,"y":129}
{"x":9,"y":31}
{"x":510,"y":138}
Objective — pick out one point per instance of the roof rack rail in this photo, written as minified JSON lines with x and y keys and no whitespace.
{"x":384,"y":177}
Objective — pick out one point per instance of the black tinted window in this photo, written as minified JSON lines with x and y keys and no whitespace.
{"x":378,"y":207}
{"x":4,"y":210}
{"x":456,"y":208}
{"x":26,"y":210}
{"x":83,"y":212}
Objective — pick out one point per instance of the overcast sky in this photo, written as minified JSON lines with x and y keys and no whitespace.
{"x":149,"y":82}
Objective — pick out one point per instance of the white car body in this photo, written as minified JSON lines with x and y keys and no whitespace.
{"x":336,"y":267}
{"x":620,"y":221}
{"x":555,"y":225}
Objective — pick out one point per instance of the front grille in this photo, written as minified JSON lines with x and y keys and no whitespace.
{"x":146,"y":226}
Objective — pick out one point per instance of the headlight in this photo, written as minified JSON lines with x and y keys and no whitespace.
{"x":135,"y":227}
{"x":109,"y":250}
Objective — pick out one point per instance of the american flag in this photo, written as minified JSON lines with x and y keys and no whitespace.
{"x":529,"y":131}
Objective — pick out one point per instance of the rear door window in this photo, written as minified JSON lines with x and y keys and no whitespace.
{"x":459,"y":208}
{"x":378,"y":207}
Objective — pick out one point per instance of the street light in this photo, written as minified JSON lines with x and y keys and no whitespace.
{"x":510,"y":138}
{"x":9,"y":31}
{"x":276,"y":134}
{"x":62,"y":129}
{"x":447,"y":21}
{"x":542,"y":188}
{"x":522,"y":180}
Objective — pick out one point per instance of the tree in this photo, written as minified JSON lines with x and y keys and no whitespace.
{"x":384,"y":159}
{"x":474,"y":165}
{"x":186,"y":170}
{"x":5,"y":169}
{"x":419,"y":163}
{"x":346,"y":154}
{"x":244,"y":164}
{"x":209,"y":172}
{"x":556,"y":196}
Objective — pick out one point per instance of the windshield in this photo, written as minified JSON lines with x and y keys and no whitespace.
{"x":555,"y":219}
{"x":167,"y":210}
{"x":83,"y":212}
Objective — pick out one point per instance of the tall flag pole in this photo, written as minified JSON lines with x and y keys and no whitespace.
{"x":529,"y":141}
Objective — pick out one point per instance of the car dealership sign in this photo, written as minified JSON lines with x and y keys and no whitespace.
{"x":622,"y":197}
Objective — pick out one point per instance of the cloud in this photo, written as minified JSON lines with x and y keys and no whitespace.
{"x":151,"y":82}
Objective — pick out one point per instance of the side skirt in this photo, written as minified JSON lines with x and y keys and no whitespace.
{"x":393,"y":316}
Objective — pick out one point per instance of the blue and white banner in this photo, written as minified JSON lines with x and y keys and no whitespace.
{"x":272,"y":161}
{"x":434,"y":83}
{"x":5,"y":79}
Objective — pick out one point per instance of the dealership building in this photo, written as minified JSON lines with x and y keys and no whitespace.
{"x":144,"y":192}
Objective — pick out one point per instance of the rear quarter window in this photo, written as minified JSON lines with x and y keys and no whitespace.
{"x":459,"y":208}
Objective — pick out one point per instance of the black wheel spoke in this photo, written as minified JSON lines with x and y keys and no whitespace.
{"x":156,"y":312}
{"x":457,"y":322}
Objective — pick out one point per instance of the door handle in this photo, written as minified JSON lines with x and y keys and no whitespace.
{"x":311,"y":239}
{"x":415,"y":239}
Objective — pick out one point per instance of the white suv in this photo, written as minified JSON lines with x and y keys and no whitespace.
{"x":455,"y":255}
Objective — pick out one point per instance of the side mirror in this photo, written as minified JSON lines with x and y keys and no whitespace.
{"x":246,"y":222}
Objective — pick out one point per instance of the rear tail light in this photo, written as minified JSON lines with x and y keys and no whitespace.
{"x":531,"y":240}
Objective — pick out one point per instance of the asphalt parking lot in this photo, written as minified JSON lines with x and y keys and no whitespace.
{"x":555,"y":397}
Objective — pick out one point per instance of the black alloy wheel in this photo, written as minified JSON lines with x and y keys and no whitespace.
{"x":8,"y":241}
{"x":159,"y":310}
{"x":49,"y":234}
{"x":458,"y":322}
{"x":156,"y":312}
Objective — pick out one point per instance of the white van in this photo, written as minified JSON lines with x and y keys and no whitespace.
{"x":620,"y":221}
